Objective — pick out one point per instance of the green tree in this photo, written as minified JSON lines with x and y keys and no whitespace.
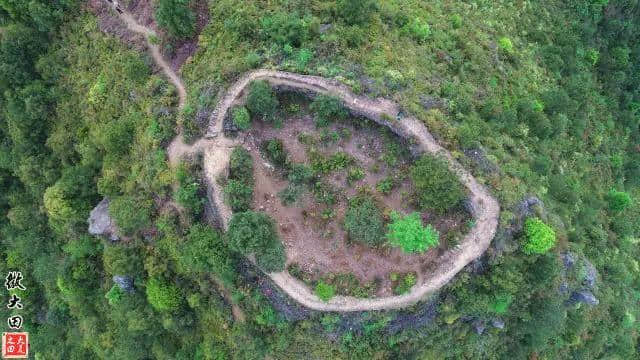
{"x":410,"y":235}
{"x":162,"y":295}
{"x":130,"y":213}
{"x":205,"y":251}
{"x":436,"y":186}
{"x":540,"y":238}
{"x":176,"y":17}
{"x":255,"y":233}
{"x":327,"y":109}
{"x":241,"y":165}
{"x":363,"y":221}
{"x":262,"y":101}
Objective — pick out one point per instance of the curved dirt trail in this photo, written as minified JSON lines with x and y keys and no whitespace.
{"x":177,"y":148}
{"x":486,"y":209}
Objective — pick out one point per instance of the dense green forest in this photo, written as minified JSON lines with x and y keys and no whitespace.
{"x":538,"y":99}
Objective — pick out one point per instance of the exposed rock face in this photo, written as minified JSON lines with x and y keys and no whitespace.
{"x":583,"y":296}
{"x":124,"y":282}
{"x":479,"y":326}
{"x":101,"y":223}
{"x":526,"y":207}
{"x":480,"y":159}
{"x":590,"y":274}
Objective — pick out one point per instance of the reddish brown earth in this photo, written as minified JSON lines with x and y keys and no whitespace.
{"x":320,"y":246}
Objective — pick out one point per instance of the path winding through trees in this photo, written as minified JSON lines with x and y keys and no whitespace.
{"x":217,"y":149}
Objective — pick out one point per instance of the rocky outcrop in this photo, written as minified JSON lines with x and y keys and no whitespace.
{"x":124,"y":282}
{"x":101,"y":223}
{"x":584,"y":297}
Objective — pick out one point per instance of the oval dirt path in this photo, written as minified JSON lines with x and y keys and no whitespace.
{"x":485,"y":208}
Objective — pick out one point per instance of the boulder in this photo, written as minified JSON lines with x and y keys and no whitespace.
{"x":101,"y":223}
{"x":590,"y":275}
{"x":479,"y":327}
{"x":526,"y":206}
{"x":480,"y":159}
{"x":124,"y":282}
{"x":568,"y":259}
{"x":497,"y":323}
{"x":583,"y":296}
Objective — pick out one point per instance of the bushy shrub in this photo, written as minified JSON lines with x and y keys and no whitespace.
{"x":355,"y":174}
{"x":405,"y":284}
{"x":300,"y":174}
{"x":324,"y":291}
{"x":114,"y":295}
{"x":285,"y":29}
{"x":275,"y":152}
{"x":505,"y":45}
{"x":436,"y":186}
{"x":131,"y":214}
{"x":418,"y":29}
{"x":176,"y":17}
{"x":356,"y":12}
{"x":290,"y":194}
{"x":540,"y":238}
{"x":204,"y":251}
{"x":240,"y":117}
{"x":272,"y":259}
{"x":326,"y":109}
{"x":238,"y":195}
{"x":410,"y":235}
{"x":241,"y":165}
{"x":255,"y":233}
{"x":162,"y":295}
{"x":262,"y":101}
{"x":190,"y":193}
{"x":363,"y":221}
{"x":618,"y":200}
{"x":500,"y":303}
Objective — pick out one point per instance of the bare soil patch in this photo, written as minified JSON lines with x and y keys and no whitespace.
{"x":313,"y":232}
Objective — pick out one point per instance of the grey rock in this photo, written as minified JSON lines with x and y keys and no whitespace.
{"x":479,"y":327}
{"x":568,"y":259}
{"x":480,"y":159}
{"x":591,"y":274}
{"x":325,"y":27}
{"x":101,"y":223}
{"x":583,"y":296}
{"x":526,"y":206}
{"x":564,"y":288}
{"x":497,"y":323}
{"x":124,"y":282}
{"x":431,"y":102}
{"x":467,"y":205}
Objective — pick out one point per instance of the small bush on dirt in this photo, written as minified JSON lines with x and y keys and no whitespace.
{"x":176,"y":17}
{"x":324,"y":291}
{"x":275,"y":152}
{"x":363,"y":221}
{"x":238,"y":195}
{"x":241,"y":165}
{"x":254,"y":233}
{"x":540,"y":238}
{"x":436,"y":186}
{"x":262,"y":101}
{"x":409,"y":234}
{"x":355,"y":174}
{"x":327,"y":109}
{"x":321,"y":164}
{"x":324,"y":194}
{"x":405,"y":284}
{"x":385,"y":185}
{"x":290,"y":194}
{"x":240,"y":117}
{"x":300,"y":174}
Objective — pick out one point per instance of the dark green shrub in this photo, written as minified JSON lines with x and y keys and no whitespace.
{"x":327,"y":109}
{"x":162,"y":295}
{"x":363,"y":221}
{"x":176,"y":17}
{"x":356,"y":12}
{"x":238,"y":195}
{"x":241,"y":165}
{"x":324,"y":291}
{"x":272,"y":259}
{"x":190,"y":193}
{"x":114,"y":295}
{"x":275,"y":152}
{"x":285,"y":29}
{"x":540,"y":238}
{"x":300,"y":174}
{"x":436,"y":186}
{"x":255,"y":233}
{"x":418,"y":29}
{"x":262,"y":101}
{"x":409,"y":234}
{"x":204,"y":251}
{"x":618,"y":200}
{"x":240,"y":117}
